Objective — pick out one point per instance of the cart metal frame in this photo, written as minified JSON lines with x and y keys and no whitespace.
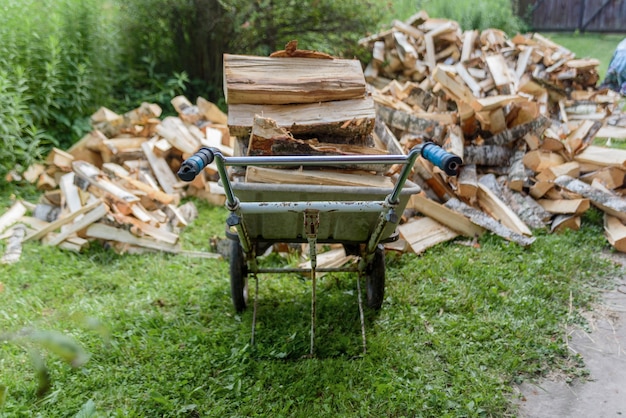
{"x":318,"y":205}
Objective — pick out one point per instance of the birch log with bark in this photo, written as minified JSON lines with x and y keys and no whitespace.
{"x":482,"y":219}
{"x":610,"y":203}
{"x":509,"y":136}
{"x":410,"y":123}
{"x":489,"y":155}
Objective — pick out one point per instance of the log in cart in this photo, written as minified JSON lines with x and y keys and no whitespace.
{"x":359,"y":218}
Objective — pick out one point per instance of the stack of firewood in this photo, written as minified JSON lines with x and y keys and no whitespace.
{"x":523,"y":113}
{"x":299,"y":102}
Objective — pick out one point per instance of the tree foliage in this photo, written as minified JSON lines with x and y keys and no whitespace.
{"x":173,"y":36}
{"x":62,"y":59}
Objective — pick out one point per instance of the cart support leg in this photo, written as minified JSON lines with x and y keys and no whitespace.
{"x":255,"y":304}
{"x":361,"y":315}
{"x":311,"y":225}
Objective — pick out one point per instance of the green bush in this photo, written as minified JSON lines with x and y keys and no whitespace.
{"x":55,"y":57}
{"x":190,"y":37}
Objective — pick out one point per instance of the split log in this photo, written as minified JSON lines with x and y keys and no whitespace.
{"x":518,"y":175}
{"x":52,"y":226}
{"x":459,"y":92}
{"x":602,"y":156}
{"x":481,"y":219}
{"x":11,"y":216}
{"x":174,"y":130}
{"x":495,"y":102}
{"x":33,"y":172}
{"x":144,"y":228}
{"x":468,"y":79}
{"x":336,"y":178}
{"x":441,"y":29}
{"x":271,"y":80}
{"x":120,"y":149}
{"x":71,"y":193}
{"x":614,"y":132}
{"x":488,"y":194}
{"x":509,"y":136}
{"x":336,"y":257}
{"x":186,"y":110}
{"x":500,"y":73}
{"x":94,"y":177}
{"x":611,"y":177}
{"x":467,"y":182}
{"x":526,"y":208}
{"x":111,"y":233}
{"x":211,"y":112}
{"x":540,"y":160}
{"x":612,"y":204}
{"x":565,"y":206}
{"x":487,"y":155}
{"x":615,"y":232}
{"x":422,"y":233}
{"x":410,"y":123}
{"x":571,"y":169}
{"x":112,"y":126}
{"x":347,"y":121}
{"x":406,"y":51}
{"x":89,"y":218}
{"x":454,"y":142}
{"x":268,"y":138}
{"x":164,"y":175}
{"x":60,"y":159}
{"x":582,"y":136}
{"x":448,"y":217}
{"x":150,"y":191}
{"x":13,"y":249}
{"x":564,"y":222}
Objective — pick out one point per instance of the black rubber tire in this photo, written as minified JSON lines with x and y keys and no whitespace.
{"x":375,"y":279}
{"x":238,"y":277}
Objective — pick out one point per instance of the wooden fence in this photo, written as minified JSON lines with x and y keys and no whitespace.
{"x":607,"y":16}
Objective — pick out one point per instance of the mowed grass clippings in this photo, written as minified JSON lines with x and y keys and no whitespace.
{"x":458,"y":326}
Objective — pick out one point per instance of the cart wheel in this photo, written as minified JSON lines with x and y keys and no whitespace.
{"x":238,"y":277}
{"x":375,"y":279}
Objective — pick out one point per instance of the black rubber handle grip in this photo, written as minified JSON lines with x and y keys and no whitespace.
{"x":448,"y":162}
{"x":193,"y":165}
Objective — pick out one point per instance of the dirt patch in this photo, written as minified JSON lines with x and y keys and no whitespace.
{"x":602,"y":346}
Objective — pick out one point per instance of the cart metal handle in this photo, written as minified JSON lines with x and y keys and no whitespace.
{"x":449,"y":163}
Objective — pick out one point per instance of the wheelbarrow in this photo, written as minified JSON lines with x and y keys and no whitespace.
{"x":359,"y":218}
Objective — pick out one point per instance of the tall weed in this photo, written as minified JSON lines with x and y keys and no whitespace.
{"x":470,"y":14}
{"x":56,"y":58}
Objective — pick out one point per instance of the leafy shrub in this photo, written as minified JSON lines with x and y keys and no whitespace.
{"x":55,"y":57}
{"x":176,"y":37}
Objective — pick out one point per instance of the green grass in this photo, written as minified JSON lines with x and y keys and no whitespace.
{"x":458,"y":327}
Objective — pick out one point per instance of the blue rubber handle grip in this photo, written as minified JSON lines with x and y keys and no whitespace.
{"x":448,"y":162}
{"x":194,"y":165}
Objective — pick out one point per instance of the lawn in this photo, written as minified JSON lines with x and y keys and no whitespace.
{"x":159,"y":337}
{"x":100,"y":334}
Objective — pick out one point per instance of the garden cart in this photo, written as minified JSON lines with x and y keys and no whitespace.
{"x":359,"y":218}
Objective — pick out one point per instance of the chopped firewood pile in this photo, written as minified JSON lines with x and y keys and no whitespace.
{"x":523,"y":113}
{"x":117,"y":184}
